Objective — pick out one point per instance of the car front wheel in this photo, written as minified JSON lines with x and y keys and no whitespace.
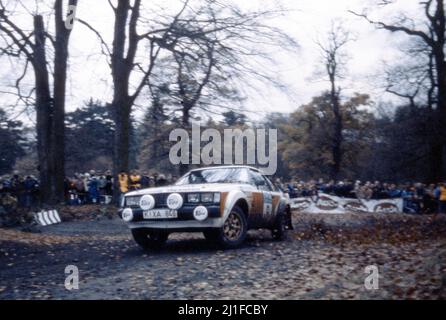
{"x":233,"y":232}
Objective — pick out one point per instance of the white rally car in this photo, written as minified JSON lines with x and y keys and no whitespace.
{"x":222,"y":202}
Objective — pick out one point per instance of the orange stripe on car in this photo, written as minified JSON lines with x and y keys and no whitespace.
{"x":223,"y":197}
{"x":257,"y":203}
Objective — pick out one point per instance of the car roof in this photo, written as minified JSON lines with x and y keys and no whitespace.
{"x":227,"y":166}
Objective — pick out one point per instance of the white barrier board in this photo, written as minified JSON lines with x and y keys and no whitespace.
{"x":325,"y":203}
{"x":46,"y":218}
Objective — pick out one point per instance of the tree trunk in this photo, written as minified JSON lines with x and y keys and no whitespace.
{"x":44,"y":112}
{"x":436,"y":161}
{"x":121,"y":104}
{"x":438,"y":141}
{"x":185,"y":122}
{"x":440,"y":124}
{"x":60,"y":77}
{"x":122,"y":137}
{"x":337,"y":134}
{"x":121,"y":148}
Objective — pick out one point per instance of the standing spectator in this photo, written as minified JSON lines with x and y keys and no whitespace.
{"x":73,"y":198}
{"x":145,"y":180}
{"x":18,"y":189}
{"x":410,"y":205}
{"x":155,"y":177}
{"x":365,"y":191}
{"x":162,"y":181}
{"x":80,"y":188}
{"x":102,"y":182}
{"x":30,"y":186}
{"x":85,"y":180}
{"x":109,"y":183}
{"x":123,"y":180}
{"x":135,"y":180}
{"x":152,"y":182}
{"x":6,"y":184}
{"x":394,"y":192}
{"x":429,"y":201}
{"x":376,"y":190}
{"x":441,"y":192}
{"x":93,"y":189}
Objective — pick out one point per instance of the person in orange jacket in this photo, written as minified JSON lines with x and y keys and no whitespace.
{"x":442,"y":198}
{"x":123,"y":182}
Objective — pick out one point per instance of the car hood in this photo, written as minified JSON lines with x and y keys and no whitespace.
{"x":205,"y":187}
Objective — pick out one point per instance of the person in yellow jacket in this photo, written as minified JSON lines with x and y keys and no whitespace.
{"x":442,"y":198}
{"x":123,"y":182}
{"x":135,"y":180}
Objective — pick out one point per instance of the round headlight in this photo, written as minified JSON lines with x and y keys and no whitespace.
{"x":147,"y":202}
{"x":127,"y":215}
{"x":200,"y":213}
{"x":174,"y":201}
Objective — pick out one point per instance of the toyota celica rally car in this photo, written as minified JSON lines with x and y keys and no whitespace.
{"x":222,"y":202}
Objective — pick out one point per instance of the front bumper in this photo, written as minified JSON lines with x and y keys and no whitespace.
{"x":184,"y":222}
{"x":177,"y":225}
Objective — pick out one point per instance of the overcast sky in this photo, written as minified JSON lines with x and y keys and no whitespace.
{"x":307,"y":21}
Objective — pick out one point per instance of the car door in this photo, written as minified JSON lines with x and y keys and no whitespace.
{"x":276,"y":194}
{"x":263,"y":187}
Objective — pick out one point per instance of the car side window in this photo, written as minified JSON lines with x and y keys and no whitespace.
{"x":260,"y":181}
{"x":270,"y":184}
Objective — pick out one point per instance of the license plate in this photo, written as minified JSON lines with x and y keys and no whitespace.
{"x":160,"y":214}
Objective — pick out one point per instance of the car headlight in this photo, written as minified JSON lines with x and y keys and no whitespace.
{"x":200,"y":213}
{"x":193,"y":197}
{"x":132,"y":201}
{"x":127,"y":215}
{"x":207,"y":197}
{"x":174,"y":201}
{"x":147,"y":202}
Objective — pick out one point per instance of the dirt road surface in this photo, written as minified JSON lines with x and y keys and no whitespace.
{"x":325,"y":257}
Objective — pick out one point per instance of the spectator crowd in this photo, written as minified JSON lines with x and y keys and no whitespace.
{"x":417,"y":197}
{"x":97,"y":188}
{"x":17,"y":191}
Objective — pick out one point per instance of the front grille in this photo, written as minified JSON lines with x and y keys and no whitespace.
{"x":132,"y":201}
{"x":160,"y":200}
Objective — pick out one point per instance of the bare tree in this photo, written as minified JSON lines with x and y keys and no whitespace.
{"x":333,"y":59}
{"x":216,"y":52}
{"x":432,"y":35}
{"x":190,"y":38}
{"x":30,"y":48}
{"x":220,"y":51}
{"x":125,"y":64}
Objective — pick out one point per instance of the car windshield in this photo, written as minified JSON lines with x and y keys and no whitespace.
{"x":216,"y":175}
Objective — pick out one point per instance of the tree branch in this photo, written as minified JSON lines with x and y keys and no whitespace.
{"x":392,"y":28}
{"x":103,"y":43}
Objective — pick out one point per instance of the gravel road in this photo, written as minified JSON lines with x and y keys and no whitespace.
{"x":324,"y":258}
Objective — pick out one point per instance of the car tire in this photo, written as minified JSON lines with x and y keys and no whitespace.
{"x":234,"y":230}
{"x":149,"y":239}
{"x":279,"y":230}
